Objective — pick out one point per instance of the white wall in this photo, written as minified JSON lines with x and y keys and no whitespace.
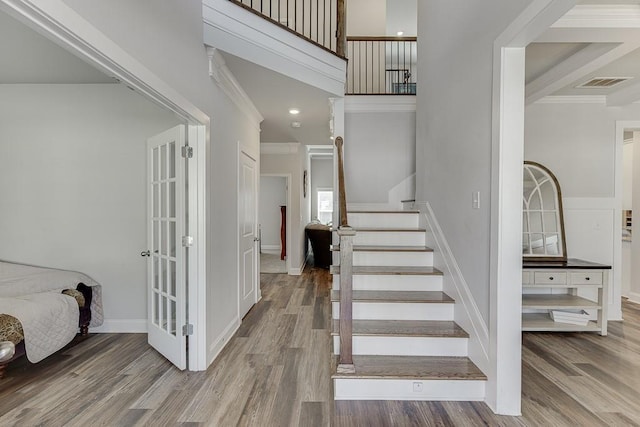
{"x":167,"y":38}
{"x":321,"y":177}
{"x":379,"y":151}
{"x":273,"y":194}
{"x":578,"y":143}
{"x":402,"y":16}
{"x":366,"y":17}
{"x":73,"y":185}
{"x":634,"y":288}
{"x":291,"y":164}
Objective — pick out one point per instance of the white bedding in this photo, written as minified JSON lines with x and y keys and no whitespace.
{"x":49,"y":318}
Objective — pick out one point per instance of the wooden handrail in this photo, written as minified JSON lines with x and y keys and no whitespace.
{"x":346,"y":234}
{"x":381,"y":39}
{"x":342,"y":196}
{"x":341,"y":29}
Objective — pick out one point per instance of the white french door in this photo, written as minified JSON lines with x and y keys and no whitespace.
{"x":165,"y":226}
{"x":248,"y":235}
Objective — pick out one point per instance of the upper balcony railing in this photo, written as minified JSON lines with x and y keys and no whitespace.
{"x":320,"y":22}
{"x":382,"y":65}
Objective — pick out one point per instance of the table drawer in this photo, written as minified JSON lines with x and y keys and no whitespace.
{"x":550,"y":277}
{"x":527,"y":278}
{"x":586,"y":277}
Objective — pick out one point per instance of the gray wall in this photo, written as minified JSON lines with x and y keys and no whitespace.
{"x":453,"y":119}
{"x":73,"y":184}
{"x":379,"y":151}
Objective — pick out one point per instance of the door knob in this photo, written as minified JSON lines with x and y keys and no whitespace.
{"x":145,"y":253}
{"x":256,"y":239}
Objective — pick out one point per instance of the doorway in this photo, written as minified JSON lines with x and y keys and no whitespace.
{"x":630,"y":197}
{"x":275,"y":224}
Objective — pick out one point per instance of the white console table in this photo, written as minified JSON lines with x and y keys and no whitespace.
{"x":572,"y":284}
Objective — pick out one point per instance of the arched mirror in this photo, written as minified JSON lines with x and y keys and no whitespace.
{"x":542,"y":217}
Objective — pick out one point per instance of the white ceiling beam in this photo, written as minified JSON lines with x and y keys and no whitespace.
{"x":601,"y":16}
{"x":624,"y":96}
{"x":585,"y":61}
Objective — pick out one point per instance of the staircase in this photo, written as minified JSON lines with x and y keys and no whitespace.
{"x":406,"y":345}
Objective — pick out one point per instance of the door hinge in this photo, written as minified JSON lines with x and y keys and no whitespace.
{"x":187,"y":241}
{"x":187,"y":329}
{"x":187,"y":152}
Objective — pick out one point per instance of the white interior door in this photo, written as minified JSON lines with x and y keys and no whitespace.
{"x":247,"y":231}
{"x":165,"y":224}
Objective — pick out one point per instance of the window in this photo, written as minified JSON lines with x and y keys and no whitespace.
{"x":325,"y":206}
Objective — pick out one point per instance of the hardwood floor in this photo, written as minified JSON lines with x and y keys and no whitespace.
{"x":276,"y":372}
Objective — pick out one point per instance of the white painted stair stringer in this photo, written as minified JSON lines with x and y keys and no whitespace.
{"x":467,"y":314}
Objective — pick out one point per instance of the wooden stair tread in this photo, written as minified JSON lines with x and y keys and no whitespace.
{"x":396,"y":296}
{"x":390,"y":270}
{"x":382,"y":248}
{"x":404,"y":328}
{"x":383,"y":212}
{"x":390,"y":229}
{"x":413,"y":368}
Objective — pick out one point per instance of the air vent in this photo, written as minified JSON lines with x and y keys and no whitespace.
{"x":600,"y":82}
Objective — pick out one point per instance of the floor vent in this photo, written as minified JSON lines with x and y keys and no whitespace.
{"x":603,"y":82}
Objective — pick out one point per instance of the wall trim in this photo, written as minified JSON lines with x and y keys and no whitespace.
{"x":572,"y":99}
{"x":279,"y":148}
{"x":219,"y":72}
{"x":469,"y":316}
{"x":297,"y":271}
{"x":379,"y":104}
{"x":121,"y":326}
{"x":222,"y":340}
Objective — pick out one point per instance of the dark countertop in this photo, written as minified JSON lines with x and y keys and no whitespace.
{"x":573,"y":263}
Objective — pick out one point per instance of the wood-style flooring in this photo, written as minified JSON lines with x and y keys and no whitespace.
{"x":276,"y":372}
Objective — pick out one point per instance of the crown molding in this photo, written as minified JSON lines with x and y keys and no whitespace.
{"x":379,"y":103}
{"x":279,"y":147}
{"x":601,"y":16}
{"x":573,"y":99}
{"x":221,"y":74}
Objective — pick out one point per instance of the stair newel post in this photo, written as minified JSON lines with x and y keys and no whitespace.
{"x":346,"y":234}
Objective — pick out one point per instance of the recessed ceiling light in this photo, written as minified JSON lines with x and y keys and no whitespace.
{"x":400,"y":33}
{"x":294,"y":111}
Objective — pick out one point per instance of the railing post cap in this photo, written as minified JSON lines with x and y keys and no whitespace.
{"x":345,"y":230}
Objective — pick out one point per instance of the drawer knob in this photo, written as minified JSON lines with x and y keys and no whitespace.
{"x":587,"y":278}
{"x":551,"y":278}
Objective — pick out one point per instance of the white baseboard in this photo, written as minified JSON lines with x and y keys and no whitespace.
{"x":270,"y":248}
{"x":121,"y":326}
{"x":218,"y":344}
{"x":633,"y":297}
{"x":467,"y":314}
{"x":297,"y":271}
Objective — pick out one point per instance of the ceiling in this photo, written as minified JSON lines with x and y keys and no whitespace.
{"x":29,"y":58}
{"x":597,"y":38}
{"x":274,"y":95}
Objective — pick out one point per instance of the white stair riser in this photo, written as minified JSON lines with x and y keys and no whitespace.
{"x":392,"y":282}
{"x":396,"y":259}
{"x":389,"y":238}
{"x":405,"y":346}
{"x":383,"y":220}
{"x":398,"y":311}
{"x":392,"y":389}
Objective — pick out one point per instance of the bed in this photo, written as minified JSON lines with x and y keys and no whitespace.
{"x":42,"y":309}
